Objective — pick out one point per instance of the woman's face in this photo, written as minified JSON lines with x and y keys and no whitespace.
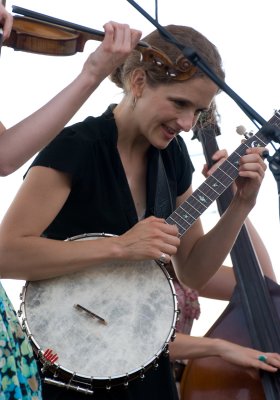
{"x":163,"y":112}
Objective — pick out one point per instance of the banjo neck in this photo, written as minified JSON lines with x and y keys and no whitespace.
{"x":213,"y":187}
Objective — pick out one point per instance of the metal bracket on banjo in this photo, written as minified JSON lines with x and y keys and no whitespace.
{"x":68,"y":386}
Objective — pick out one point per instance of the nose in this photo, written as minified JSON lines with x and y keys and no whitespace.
{"x":186,"y":121}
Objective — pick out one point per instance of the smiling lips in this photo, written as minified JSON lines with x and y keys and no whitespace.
{"x":169,"y":132}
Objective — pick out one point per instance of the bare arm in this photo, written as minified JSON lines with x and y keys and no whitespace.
{"x":24,"y":254}
{"x":200,"y":256}
{"x":261,"y":251}
{"x":190,"y":347}
{"x":22,"y":141}
{"x":221,"y":285}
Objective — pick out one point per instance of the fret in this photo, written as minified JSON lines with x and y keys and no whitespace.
{"x":183,"y":219}
{"x":191,"y":209}
{"x":197,"y":200}
{"x":226,"y":172}
{"x":202,"y":198}
{"x":215,"y":184}
{"x":185,"y":214}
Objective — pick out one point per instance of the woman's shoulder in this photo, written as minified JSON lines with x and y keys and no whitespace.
{"x":93,"y":129}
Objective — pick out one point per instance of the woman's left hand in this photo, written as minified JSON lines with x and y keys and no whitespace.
{"x":251,"y":173}
{"x":218,"y":158}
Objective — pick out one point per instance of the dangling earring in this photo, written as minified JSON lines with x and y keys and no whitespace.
{"x":134,"y":101}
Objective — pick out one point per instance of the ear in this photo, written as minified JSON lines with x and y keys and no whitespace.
{"x":138,"y":82}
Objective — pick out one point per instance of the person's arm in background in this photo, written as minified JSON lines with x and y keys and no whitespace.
{"x":221,"y":285}
{"x":190,"y":347}
{"x":20,"y":142}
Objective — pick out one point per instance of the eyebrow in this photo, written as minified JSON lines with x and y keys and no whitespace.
{"x":187,"y":101}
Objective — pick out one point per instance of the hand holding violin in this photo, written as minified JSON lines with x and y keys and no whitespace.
{"x":118,"y":43}
{"x":6,"y":21}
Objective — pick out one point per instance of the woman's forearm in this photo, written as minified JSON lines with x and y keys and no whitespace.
{"x":187,"y":347}
{"x":20,"y":142}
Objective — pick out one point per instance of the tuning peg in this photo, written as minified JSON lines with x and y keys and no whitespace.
{"x":241,"y":130}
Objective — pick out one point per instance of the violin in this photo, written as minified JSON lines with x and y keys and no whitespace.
{"x":42,"y":34}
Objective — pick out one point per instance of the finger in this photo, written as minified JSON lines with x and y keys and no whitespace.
{"x":164,"y":258}
{"x":253,"y":171}
{"x":123,"y":36}
{"x":270,"y":358}
{"x":205,"y":170}
{"x":135,"y":37}
{"x":216,"y":166}
{"x":268,"y":362}
{"x":256,"y":150}
{"x":252,"y":162}
{"x":7,"y":27}
{"x":170,"y":229}
{"x":109,"y":35}
{"x":219,"y":154}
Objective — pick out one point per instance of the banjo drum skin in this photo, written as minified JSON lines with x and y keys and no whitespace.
{"x":107,"y":324}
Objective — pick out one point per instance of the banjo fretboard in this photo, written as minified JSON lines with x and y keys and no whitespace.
{"x":190,"y":210}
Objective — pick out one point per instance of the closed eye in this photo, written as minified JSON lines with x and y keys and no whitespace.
{"x":180,"y":103}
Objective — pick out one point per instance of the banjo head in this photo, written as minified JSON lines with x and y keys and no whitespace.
{"x":137,"y":301}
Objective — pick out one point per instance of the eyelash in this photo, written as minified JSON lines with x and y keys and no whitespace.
{"x":182,"y":104}
{"x":179,"y":103}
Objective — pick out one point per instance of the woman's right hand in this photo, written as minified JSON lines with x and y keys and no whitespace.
{"x":118,"y":43}
{"x":149,"y":239}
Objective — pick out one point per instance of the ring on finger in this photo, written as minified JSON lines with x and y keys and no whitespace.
{"x":163,"y":258}
{"x":262,"y":358}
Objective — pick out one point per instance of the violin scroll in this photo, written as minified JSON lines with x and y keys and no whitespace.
{"x":181,"y":70}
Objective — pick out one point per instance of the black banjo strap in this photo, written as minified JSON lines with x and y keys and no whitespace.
{"x":163,"y":206}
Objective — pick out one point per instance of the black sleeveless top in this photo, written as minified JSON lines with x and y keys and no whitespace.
{"x":100,"y":201}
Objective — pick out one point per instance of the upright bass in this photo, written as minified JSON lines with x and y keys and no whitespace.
{"x":251,"y":318}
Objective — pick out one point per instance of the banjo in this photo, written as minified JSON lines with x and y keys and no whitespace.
{"x":108,"y":324}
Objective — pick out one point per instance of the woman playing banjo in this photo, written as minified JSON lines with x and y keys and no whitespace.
{"x":100,"y":175}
